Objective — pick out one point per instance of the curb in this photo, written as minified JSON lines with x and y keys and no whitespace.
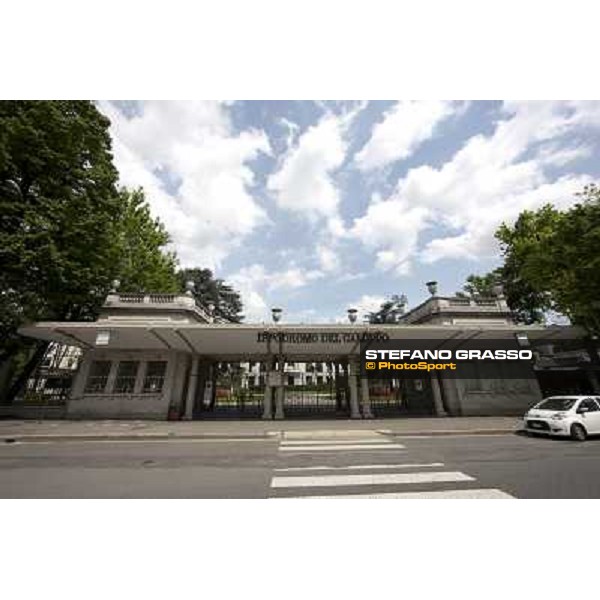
{"x":129,"y":438}
{"x":268,"y":436}
{"x":454,"y":432}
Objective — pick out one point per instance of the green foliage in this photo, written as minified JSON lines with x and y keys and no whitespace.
{"x":59,"y":208}
{"x":551,"y":262}
{"x":389,"y":311}
{"x":482,"y":285}
{"x":65,"y":230}
{"x":527,"y":305}
{"x":208,"y":290}
{"x":143,"y":263}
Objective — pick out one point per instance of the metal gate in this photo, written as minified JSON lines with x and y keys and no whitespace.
{"x":236,"y":395}
{"x":401,"y":397}
{"x":322,"y":399}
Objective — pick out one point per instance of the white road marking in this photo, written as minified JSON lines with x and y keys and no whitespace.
{"x":320,"y":434}
{"x":452,"y":436}
{"x":334,"y":442}
{"x":479,"y":494}
{"x":371,"y":479}
{"x":363,"y":467}
{"x":339,"y":447}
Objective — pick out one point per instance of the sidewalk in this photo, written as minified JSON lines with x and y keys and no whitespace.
{"x":14,"y":430}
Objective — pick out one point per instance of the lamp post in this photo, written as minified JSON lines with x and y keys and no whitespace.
{"x":279,"y":391}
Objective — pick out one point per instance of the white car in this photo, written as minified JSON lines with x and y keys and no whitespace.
{"x":573,"y":416}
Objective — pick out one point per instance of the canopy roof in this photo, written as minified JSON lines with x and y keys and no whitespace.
{"x":228,"y":341}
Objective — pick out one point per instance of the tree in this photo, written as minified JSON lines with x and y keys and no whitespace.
{"x":209,"y":290}
{"x":551,"y":262}
{"x":389,"y":310}
{"x":65,"y":230}
{"x":58,"y":209}
{"x":483,"y":285}
{"x":144,"y":264}
{"x":527,"y":305}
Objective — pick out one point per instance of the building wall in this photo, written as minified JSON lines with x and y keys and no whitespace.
{"x":130,"y":405}
{"x":492,"y":397}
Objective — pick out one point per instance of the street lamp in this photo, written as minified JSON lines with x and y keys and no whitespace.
{"x":352,"y":314}
{"x":276,"y":314}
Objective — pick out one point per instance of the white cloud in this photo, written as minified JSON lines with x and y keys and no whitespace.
{"x":212,"y":211}
{"x":554,"y":154}
{"x":404,"y":128}
{"x":365,"y":304}
{"x":391,"y":227}
{"x":491,"y":179}
{"x":256,"y":284}
{"x":304,"y":182}
{"x":328,"y":258}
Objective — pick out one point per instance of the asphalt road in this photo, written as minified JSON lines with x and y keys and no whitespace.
{"x":312,"y":464}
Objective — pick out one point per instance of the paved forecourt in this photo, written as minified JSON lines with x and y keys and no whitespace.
{"x":365,"y":465}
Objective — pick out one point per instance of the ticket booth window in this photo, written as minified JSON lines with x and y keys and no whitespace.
{"x":126,"y":376}
{"x":155,"y":377}
{"x":97,"y":377}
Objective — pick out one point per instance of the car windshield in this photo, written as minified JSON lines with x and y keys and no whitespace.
{"x":556,"y":404}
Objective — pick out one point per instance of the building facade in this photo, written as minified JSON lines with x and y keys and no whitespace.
{"x":162,"y":356}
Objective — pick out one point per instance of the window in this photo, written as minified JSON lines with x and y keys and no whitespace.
{"x":155,"y":377}
{"x":589,"y":404}
{"x":126,"y":375}
{"x":556,"y":404}
{"x":290,"y":380}
{"x":97,"y":377}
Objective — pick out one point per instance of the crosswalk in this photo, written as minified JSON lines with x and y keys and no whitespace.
{"x":312,"y":470}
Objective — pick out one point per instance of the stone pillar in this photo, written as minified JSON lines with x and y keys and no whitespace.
{"x":268,"y":395}
{"x":268,"y":403}
{"x":365,"y":398}
{"x":191,"y":391}
{"x":353,"y":384}
{"x":279,"y":413}
{"x":437,"y":396}
{"x":451,"y":394}
{"x":593,"y":379}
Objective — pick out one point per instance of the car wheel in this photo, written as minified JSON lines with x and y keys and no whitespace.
{"x":578,"y":432}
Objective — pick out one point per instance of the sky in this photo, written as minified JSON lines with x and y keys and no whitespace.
{"x":317,"y":207}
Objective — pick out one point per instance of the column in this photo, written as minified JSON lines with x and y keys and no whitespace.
{"x":365,"y":398}
{"x":268,"y":395}
{"x":437,"y":396}
{"x":191,"y":391}
{"x":353,"y":384}
{"x":279,"y":414}
{"x":452,"y":397}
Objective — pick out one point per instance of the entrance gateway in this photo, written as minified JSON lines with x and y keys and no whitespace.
{"x":159,"y":356}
